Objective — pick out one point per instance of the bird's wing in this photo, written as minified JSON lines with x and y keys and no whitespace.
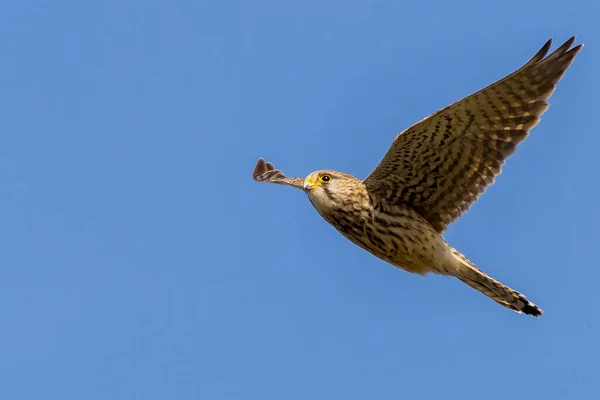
{"x":266,"y":172}
{"x":440,"y":165}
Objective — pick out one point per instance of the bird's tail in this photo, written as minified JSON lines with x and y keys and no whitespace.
{"x":501,"y":294}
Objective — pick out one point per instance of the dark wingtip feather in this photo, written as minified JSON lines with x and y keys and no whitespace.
{"x":568,"y":43}
{"x":539,"y":56}
{"x":564,"y":48}
{"x":266,"y":172}
{"x":575,"y":50}
{"x":259,"y":169}
{"x":559,"y":52}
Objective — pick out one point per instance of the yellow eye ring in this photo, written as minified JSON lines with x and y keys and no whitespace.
{"x":325,"y":178}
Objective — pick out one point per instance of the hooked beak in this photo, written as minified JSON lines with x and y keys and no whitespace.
{"x":309,"y":184}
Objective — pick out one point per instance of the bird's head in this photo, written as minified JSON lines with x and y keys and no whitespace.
{"x":331,"y":189}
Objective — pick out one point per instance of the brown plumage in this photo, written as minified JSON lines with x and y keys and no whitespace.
{"x":433,"y":172}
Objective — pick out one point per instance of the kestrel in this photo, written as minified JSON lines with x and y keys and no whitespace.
{"x":433,"y":172}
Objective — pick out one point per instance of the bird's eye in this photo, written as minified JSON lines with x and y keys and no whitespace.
{"x":325,"y":178}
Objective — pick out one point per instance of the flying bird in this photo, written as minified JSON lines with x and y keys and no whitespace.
{"x":433,"y":172}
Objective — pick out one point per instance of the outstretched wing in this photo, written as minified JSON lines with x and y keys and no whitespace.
{"x":266,"y":172}
{"x":440,"y":165}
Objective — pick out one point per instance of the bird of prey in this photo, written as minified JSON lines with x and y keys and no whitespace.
{"x":433,"y":172}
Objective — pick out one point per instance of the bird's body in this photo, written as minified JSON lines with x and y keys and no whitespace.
{"x":432,"y":173}
{"x":400,"y":236}
{"x":397,"y":234}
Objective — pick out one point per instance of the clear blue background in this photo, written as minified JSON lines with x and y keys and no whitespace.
{"x":140,"y":261}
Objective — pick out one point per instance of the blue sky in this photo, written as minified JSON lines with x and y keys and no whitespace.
{"x":140,"y":261}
